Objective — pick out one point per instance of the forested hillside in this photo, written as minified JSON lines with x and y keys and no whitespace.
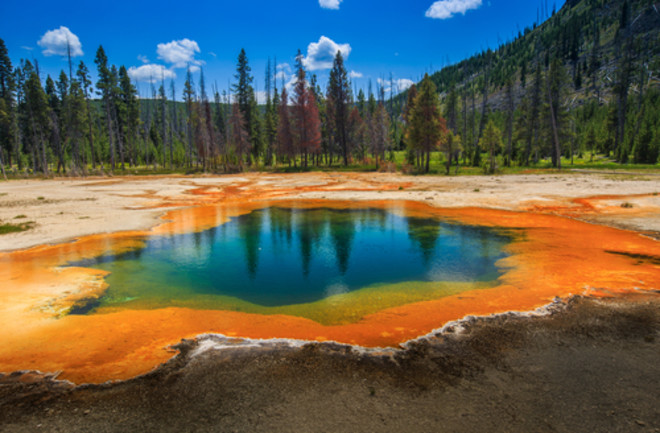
{"x":596,"y":63}
{"x":583,"y":84}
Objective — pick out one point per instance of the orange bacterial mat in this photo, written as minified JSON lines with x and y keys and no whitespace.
{"x":550,"y":257}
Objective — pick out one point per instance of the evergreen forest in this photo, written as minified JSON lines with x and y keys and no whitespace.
{"x":580,"y":88}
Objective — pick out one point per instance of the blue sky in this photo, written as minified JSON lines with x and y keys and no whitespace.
{"x":402,"y":38}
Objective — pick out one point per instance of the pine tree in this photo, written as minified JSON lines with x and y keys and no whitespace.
{"x":76,"y":124}
{"x":130,"y":114}
{"x":239,"y":136}
{"x":7,"y":107}
{"x":492,"y":142}
{"x":189,"y":97}
{"x":306,"y":125}
{"x":220,"y":123}
{"x":339,"y":94}
{"x":204,"y":131}
{"x":86,"y":87}
{"x":116,"y":107}
{"x":371,"y":102}
{"x":105,"y":85}
{"x":174,"y":128}
{"x":647,"y":147}
{"x":55,"y":119}
{"x":427,"y":127}
{"x":247,"y":102}
{"x":285,"y":149}
{"x":255,"y":129}
{"x":361,"y":102}
{"x":270,"y":117}
{"x":163,"y":118}
{"x":407,"y":117}
{"x":36,"y":114}
{"x":451,"y":146}
{"x":556,"y":94}
{"x":533,"y":104}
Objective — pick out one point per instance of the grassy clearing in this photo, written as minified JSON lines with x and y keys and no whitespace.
{"x":397,"y":162}
{"x":6,"y":228}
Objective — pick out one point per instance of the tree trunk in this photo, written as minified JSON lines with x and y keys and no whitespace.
{"x":58,"y":143}
{"x":44,"y":161}
{"x":17,"y":140}
{"x":2,"y":166}
{"x":449,"y":156}
{"x":111,"y":142}
{"x":91,"y":134}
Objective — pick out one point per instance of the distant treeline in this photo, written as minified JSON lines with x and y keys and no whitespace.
{"x":582,"y":83}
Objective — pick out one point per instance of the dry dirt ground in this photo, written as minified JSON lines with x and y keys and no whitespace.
{"x":586,"y":365}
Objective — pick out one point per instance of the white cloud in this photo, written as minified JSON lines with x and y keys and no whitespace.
{"x":179,"y":53}
{"x":282,"y":75}
{"x":321,"y":54}
{"x":404,"y":84}
{"x":282,"y":72}
{"x":444,"y":9}
{"x":293,"y":80}
{"x":58,"y":42}
{"x":330,"y":4}
{"x":399,"y":85}
{"x":355,"y":74}
{"x":261,"y":96}
{"x":142,"y":58}
{"x":150,"y":73}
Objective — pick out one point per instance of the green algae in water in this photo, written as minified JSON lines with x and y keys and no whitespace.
{"x":305,"y":262}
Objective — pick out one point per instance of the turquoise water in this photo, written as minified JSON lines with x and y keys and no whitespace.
{"x":281,"y":256}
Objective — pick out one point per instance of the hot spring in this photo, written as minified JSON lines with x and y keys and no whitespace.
{"x":329,"y":265}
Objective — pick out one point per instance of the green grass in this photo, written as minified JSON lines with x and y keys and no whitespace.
{"x":18,"y":217}
{"x":437,"y":167}
{"x":7,"y":228}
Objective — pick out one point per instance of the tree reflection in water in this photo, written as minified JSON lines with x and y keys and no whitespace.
{"x":282,"y":256}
